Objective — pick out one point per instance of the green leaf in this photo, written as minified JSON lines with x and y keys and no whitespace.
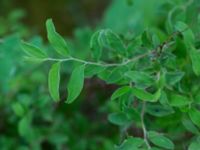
{"x":158,"y":110}
{"x":32,"y":50}
{"x":75,"y":84}
{"x":140,"y":78}
{"x":173,"y":77}
{"x":119,"y":118}
{"x":131,"y":143}
{"x":189,"y":125}
{"x":178,"y":100}
{"x":56,"y":40}
{"x":121,"y":91}
{"x":18,"y":109}
{"x":106,"y":38}
{"x":54,"y":81}
{"x":160,"y":140}
{"x":95,"y":46}
{"x":195,"y":144}
{"x":188,"y":35}
{"x":195,"y":57}
{"x":24,"y":127}
{"x":113,"y":41}
{"x":195,"y":116}
{"x":146,"y":96}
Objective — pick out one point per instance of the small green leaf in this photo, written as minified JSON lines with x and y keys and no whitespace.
{"x":131,"y":143}
{"x":158,"y":110}
{"x":18,"y":109}
{"x":195,"y":144}
{"x":140,"y":78}
{"x":173,"y":77}
{"x":119,"y":118}
{"x":56,"y":40}
{"x":95,"y":46}
{"x":195,"y":57}
{"x":178,"y":100}
{"x":160,"y":140}
{"x":92,"y":70}
{"x":189,"y":37}
{"x":146,"y":96}
{"x":75,"y":84}
{"x":189,"y":125}
{"x":195,"y":116}
{"x":32,"y":50}
{"x":24,"y":127}
{"x":54,"y":81}
{"x":106,"y":38}
{"x":121,"y":91}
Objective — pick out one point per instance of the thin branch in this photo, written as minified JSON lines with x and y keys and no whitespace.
{"x":143,"y":125}
{"x":160,"y":47}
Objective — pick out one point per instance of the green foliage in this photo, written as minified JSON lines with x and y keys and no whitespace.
{"x":150,"y":59}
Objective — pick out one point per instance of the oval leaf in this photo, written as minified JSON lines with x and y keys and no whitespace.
{"x":160,"y":140}
{"x":121,"y":91}
{"x":195,"y":116}
{"x":32,"y":50}
{"x":75,"y":83}
{"x":56,"y":40}
{"x":146,"y":96}
{"x":54,"y":81}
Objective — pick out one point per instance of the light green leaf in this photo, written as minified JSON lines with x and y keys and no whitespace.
{"x":121,"y":91}
{"x":75,"y":84}
{"x":195,"y":58}
{"x":195,"y":116}
{"x":178,"y":100}
{"x":55,"y":39}
{"x":146,"y":96}
{"x":160,"y":140}
{"x":54,"y":81}
{"x":33,"y":51}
